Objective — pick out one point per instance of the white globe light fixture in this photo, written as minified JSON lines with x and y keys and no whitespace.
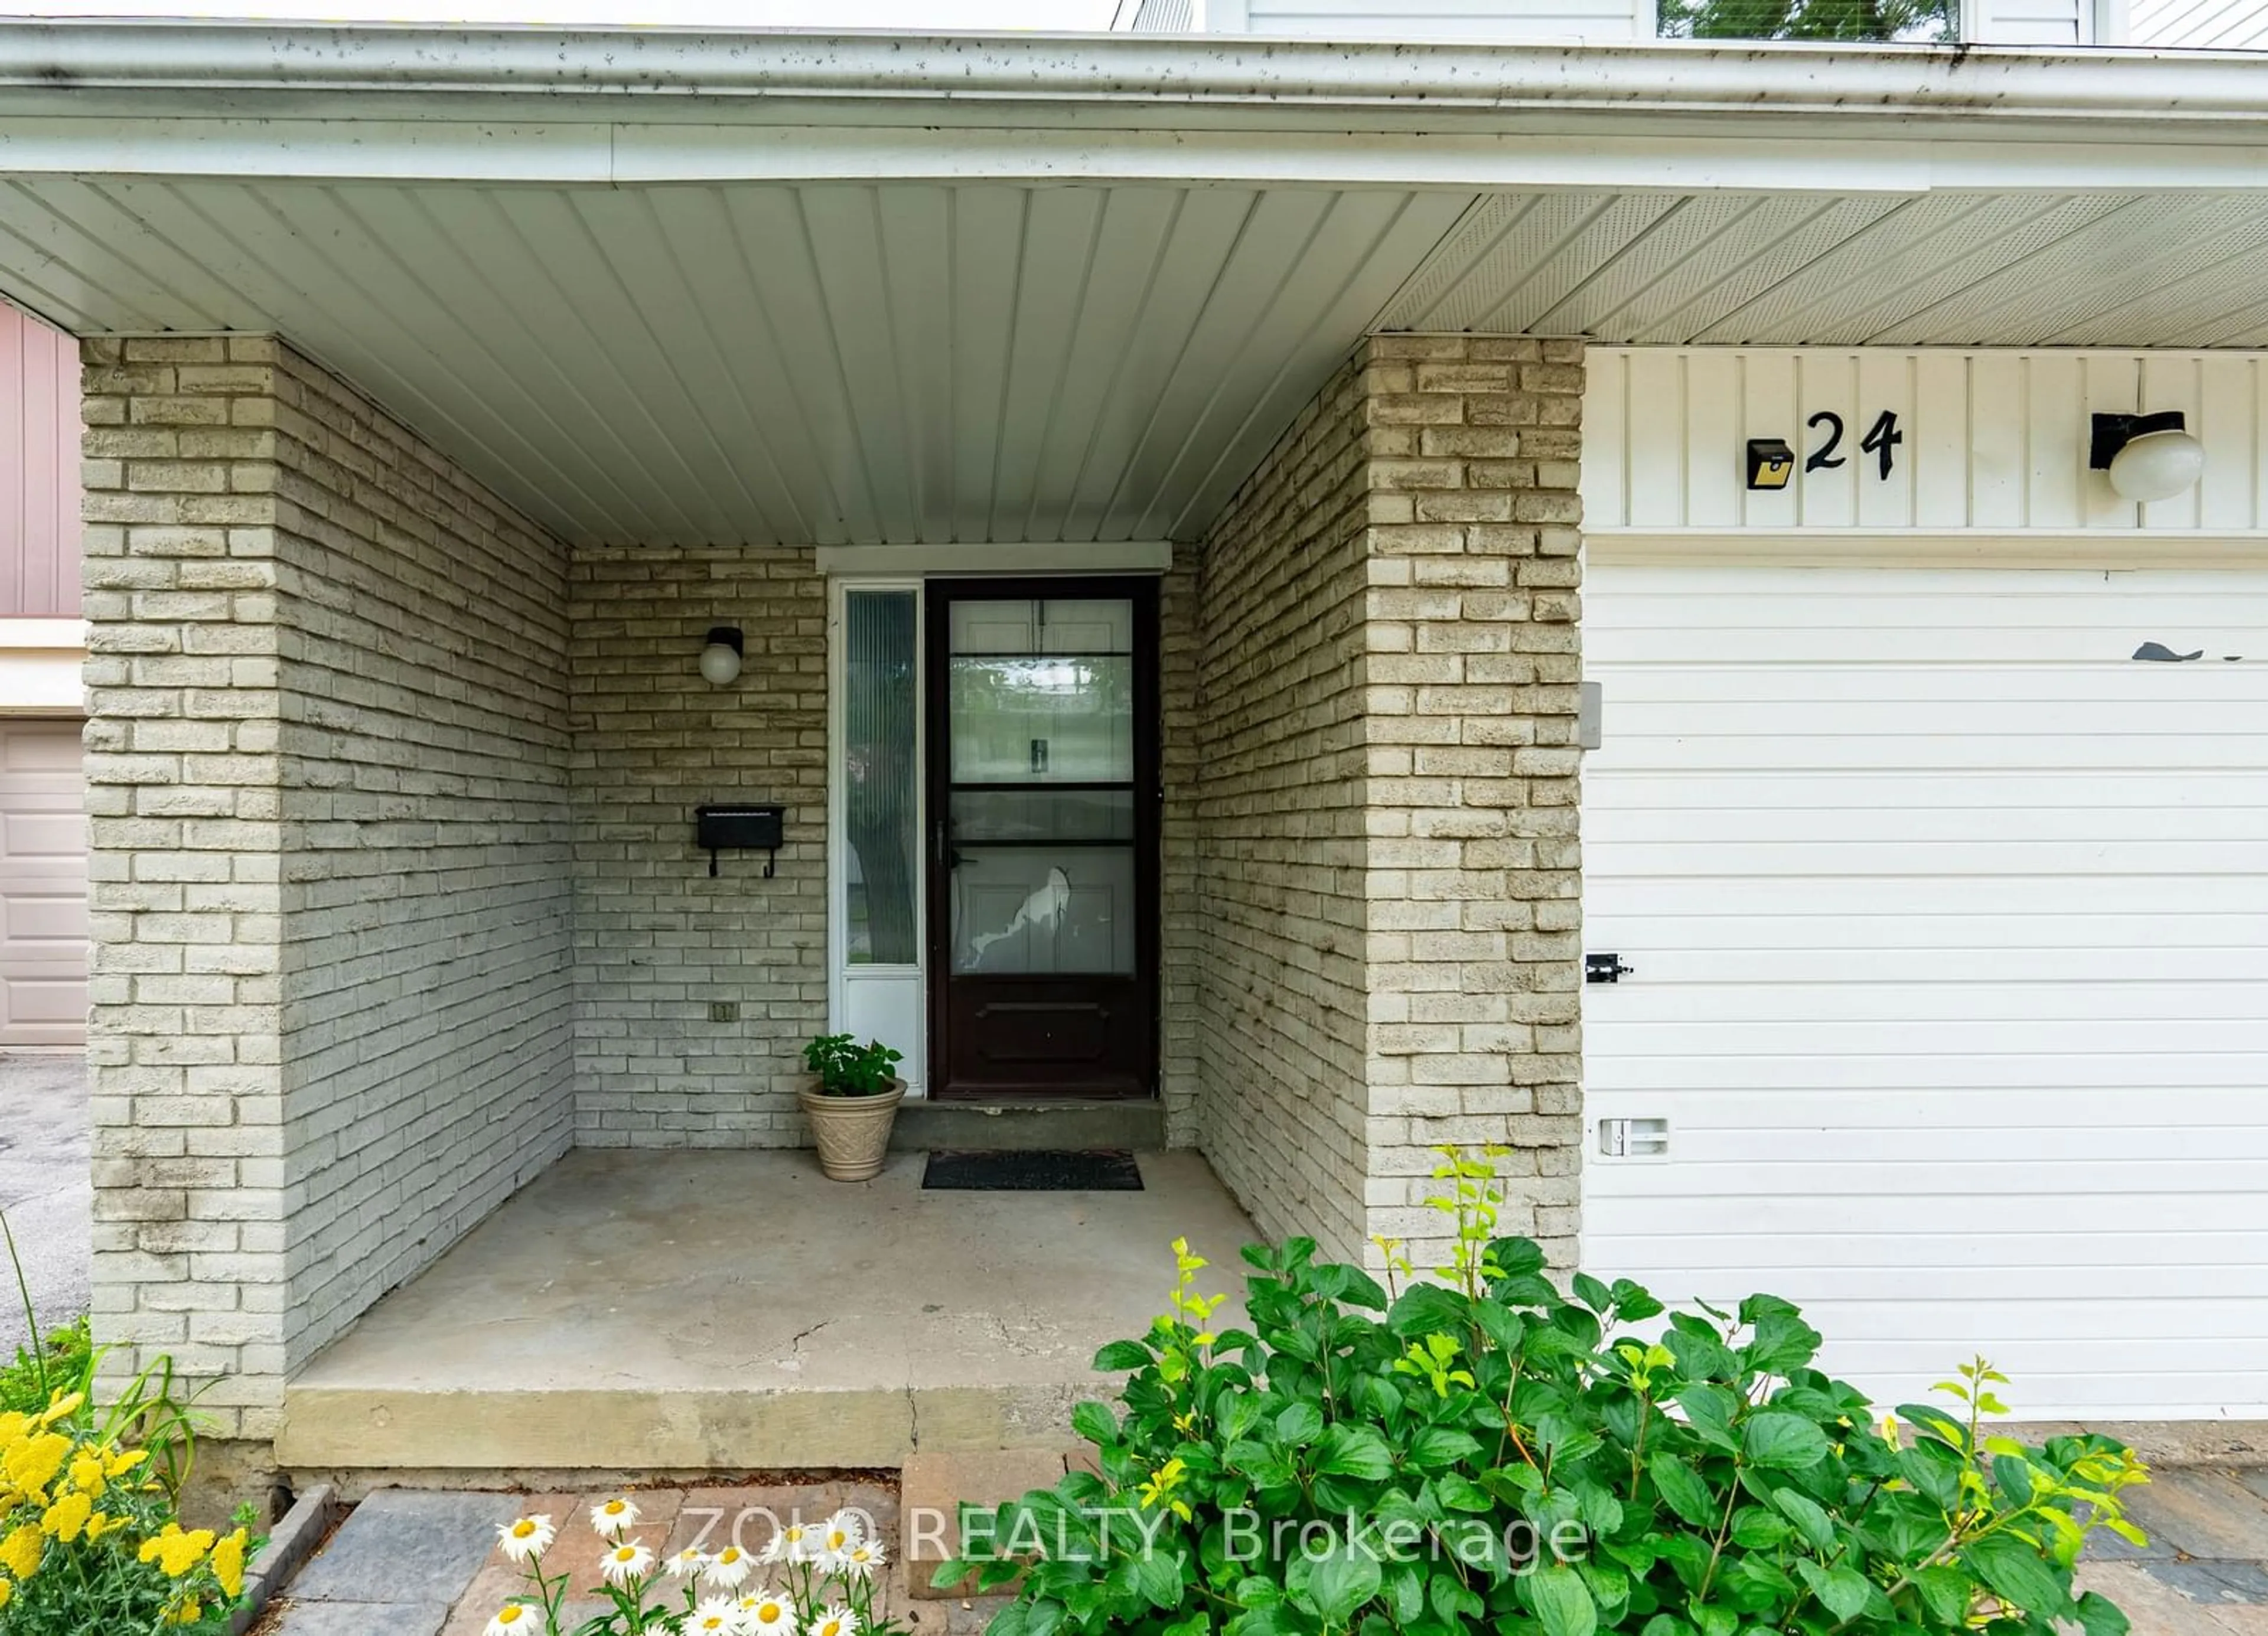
{"x":720,"y":659}
{"x":2147,"y":457}
{"x":2157,"y":466}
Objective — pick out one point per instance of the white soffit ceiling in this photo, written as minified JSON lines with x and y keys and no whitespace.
{"x":1953,"y":268}
{"x":884,"y":363}
{"x":746,"y":364}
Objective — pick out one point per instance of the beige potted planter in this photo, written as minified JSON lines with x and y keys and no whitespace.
{"x":851,"y":1100}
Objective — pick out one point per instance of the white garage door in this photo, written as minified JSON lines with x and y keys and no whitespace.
{"x":1950,"y":926}
{"x":43,"y":885}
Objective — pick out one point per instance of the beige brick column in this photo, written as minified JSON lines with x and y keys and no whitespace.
{"x":1473,"y":663}
{"x":1390,"y":889}
{"x":184,"y":776}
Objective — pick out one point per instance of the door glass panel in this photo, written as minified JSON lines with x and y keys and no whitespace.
{"x":1041,"y":694}
{"x":879,"y":777}
{"x":989,"y":817}
{"x":1041,"y":909}
{"x":1043,"y":691}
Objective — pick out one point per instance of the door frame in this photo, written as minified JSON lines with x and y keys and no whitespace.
{"x":938,"y":595}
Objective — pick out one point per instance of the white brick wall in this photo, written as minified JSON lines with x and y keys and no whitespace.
{"x":427,"y":1022}
{"x":326,"y":767}
{"x":658,"y":940}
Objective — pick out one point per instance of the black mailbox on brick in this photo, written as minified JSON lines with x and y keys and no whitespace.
{"x":739,"y":829}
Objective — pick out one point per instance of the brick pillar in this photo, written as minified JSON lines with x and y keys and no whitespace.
{"x":1475,"y":877}
{"x":1388,"y":788}
{"x":184,"y":776}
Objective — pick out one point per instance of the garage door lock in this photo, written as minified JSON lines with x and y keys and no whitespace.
{"x":1605,"y":969}
{"x":1633,"y":1138}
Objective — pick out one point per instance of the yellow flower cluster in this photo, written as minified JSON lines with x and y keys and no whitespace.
{"x":55,"y":1475}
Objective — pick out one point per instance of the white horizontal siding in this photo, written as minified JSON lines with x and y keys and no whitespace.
{"x":1950,"y":928}
{"x":1994,"y":441}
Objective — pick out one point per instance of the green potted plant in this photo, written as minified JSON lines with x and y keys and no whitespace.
{"x":851,"y":1099}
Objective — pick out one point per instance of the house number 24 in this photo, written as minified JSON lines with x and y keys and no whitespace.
{"x":1882,"y":441}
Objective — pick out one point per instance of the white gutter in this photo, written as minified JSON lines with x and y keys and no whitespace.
{"x":51,"y":65}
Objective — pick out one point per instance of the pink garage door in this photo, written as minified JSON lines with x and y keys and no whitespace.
{"x":43,"y":885}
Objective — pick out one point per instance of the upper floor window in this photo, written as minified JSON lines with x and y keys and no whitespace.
{"x":1921,"y":22}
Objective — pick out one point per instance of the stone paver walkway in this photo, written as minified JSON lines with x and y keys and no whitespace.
{"x":2204,"y":1572}
{"x":411,"y":1563}
{"x":416,"y":1563}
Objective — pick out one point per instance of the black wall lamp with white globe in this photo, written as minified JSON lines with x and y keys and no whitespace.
{"x":720,"y":656}
{"x":2148,"y":457}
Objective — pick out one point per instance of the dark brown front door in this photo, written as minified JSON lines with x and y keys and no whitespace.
{"x":1043,"y":699}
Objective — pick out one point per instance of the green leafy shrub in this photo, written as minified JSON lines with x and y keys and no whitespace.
{"x":65,"y":1359}
{"x":1423,"y":1458}
{"x":90,"y":1533}
{"x":846,"y":1068}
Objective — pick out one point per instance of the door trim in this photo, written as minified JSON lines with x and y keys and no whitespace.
{"x":938,"y":595}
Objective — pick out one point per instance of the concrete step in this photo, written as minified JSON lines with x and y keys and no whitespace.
{"x":1077,"y":1126}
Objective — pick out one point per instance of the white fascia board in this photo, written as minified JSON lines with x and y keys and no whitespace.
{"x":629,"y":106}
{"x":632,"y":155}
{"x":1042,"y":557}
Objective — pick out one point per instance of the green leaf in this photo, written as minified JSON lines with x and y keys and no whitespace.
{"x":1592,"y":1292}
{"x":1333,"y":1585}
{"x":2014,"y":1474}
{"x":1356,"y":1451}
{"x":1709,"y":1411}
{"x":1299,"y":1425}
{"x":1158,"y":1576}
{"x":1122,"y":1355}
{"x":1437,"y":1446}
{"x":1094,"y":1422}
{"x":1561,"y":1601}
{"x":1517,"y":1257}
{"x":1784,"y":1442}
{"x":1429,"y":1309}
{"x":2099,"y":1615}
{"x":1682,"y":1491}
{"x":1810,"y":1519}
{"x":1945,"y":1591}
{"x":1755,"y":1528}
{"x":1452,"y":1601}
{"x":1843,"y":1591}
{"x":2017,"y":1575}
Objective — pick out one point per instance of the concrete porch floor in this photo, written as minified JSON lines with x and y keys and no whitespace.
{"x":707,"y":1311}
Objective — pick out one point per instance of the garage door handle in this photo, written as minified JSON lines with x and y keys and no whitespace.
{"x":1605,"y":969}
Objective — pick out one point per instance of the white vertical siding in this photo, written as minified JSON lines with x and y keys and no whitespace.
{"x":1994,"y":440}
{"x":2029,"y":22}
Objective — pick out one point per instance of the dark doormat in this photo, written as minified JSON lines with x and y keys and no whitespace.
{"x":1046,"y":1170}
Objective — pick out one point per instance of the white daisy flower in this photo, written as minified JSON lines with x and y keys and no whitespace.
{"x":862,"y":1559}
{"x":610,"y":1517}
{"x":768,"y":1613}
{"x":835,"y":1621}
{"x":528,"y":1536}
{"x":841,"y":1531}
{"x":730,"y":1567}
{"x":793,"y":1541}
{"x":514,"y":1618}
{"x":687,"y":1564}
{"x":719,"y":1617}
{"x":627,"y":1561}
